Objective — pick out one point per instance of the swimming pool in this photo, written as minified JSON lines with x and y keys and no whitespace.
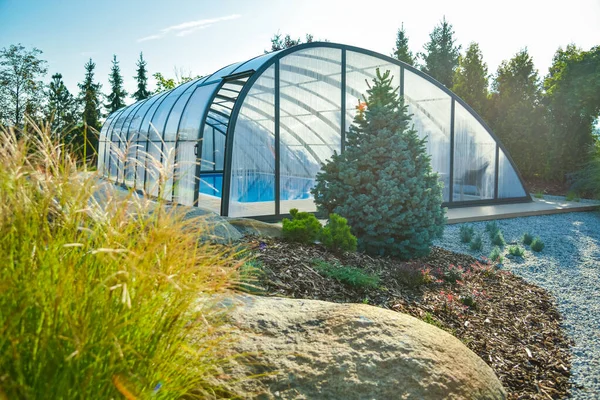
{"x":257,"y":186}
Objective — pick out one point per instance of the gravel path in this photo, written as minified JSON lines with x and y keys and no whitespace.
{"x":569,"y":268}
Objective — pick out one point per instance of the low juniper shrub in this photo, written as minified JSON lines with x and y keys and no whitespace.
{"x":537,"y":245}
{"x":336,"y":235}
{"x":303,"y":227}
{"x":516,"y":251}
{"x":466,"y":233}
{"x":453,"y":273}
{"x":492,"y":228}
{"x":527,"y":239}
{"x":498,"y":239}
{"x":572,"y":196}
{"x":412,"y":275}
{"x":351,"y":276}
{"x":496,"y":255}
{"x":476,"y":243}
{"x":469,"y":300}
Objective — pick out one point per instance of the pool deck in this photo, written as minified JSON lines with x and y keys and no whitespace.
{"x":502,"y":211}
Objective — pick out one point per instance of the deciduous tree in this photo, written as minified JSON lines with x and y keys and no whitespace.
{"x":471,"y":79}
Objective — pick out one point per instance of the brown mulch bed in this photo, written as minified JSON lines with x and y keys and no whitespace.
{"x":513,"y":326}
{"x":554,"y":188}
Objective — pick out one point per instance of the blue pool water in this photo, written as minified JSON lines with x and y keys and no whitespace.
{"x":258,"y":187}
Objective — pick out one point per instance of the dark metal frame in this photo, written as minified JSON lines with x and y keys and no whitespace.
{"x":273,"y":60}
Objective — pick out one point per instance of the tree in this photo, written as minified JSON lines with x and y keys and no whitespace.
{"x":277,"y":43}
{"x":383,"y":183}
{"x":441,"y":55}
{"x":471,"y":79}
{"x":402,"y":52}
{"x":181,"y":76}
{"x":89,"y":97}
{"x":142,"y":80}
{"x":61,"y":105}
{"x":21,"y":71}
{"x":573,"y":99}
{"x":518,"y":117}
{"x":116,"y":98}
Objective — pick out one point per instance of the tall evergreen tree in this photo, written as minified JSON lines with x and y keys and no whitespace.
{"x":573,"y":98}
{"x":441,"y":55}
{"x":21,"y":71}
{"x":142,"y":80}
{"x":518,"y":117}
{"x":402,"y":52}
{"x":116,"y":98}
{"x":383,"y":183}
{"x":471,"y":79}
{"x":89,"y":97}
{"x":61,"y":104}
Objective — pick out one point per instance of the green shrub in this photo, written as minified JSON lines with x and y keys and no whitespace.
{"x":383,"y":183}
{"x":336,"y":235}
{"x":469,"y":300}
{"x":498,"y":239}
{"x":477,"y":243}
{"x":572,"y":196}
{"x":537,"y":245}
{"x":101,"y":296}
{"x":466,"y":233}
{"x":303,"y":227}
{"x":492,"y":228}
{"x":453,"y":273}
{"x":587,"y":180}
{"x":496,"y":255}
{"x":250,"y":272}
{"x":539,"y":195}
{"x":527,"y":239}
{"x":430,"y":319}
{"x":516,"y":251}
{"x":351,"y":276}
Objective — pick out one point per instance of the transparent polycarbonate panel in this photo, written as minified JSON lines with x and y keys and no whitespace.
{"x":310,"y":120}
{"x":360,"y":69}
{"x":509,"y":184}
{"x":163,"y":111}
{"x":224,"y":71}
{"x":125,"y":144}
{"x":168,"y":165}
{"x":431,"y":112}
{"x":115,"y":155}
{"x":136,"y":123}
{"x":185,"y":179}
{"x":108,"y":145}
{"x":131,"y":164}
{"x":101,"y":152}
{"x":211,"y":186}
{"x":153,"y":168}
{"x":474,"y":158}
{"x":145,"y":126}
{"x":194,"y":111}
{"x":252,"y":191}
{"x":175,"y":115}
{"x":255,"y":63}
{"x":207,"y":160}
{"x":107,"y":122}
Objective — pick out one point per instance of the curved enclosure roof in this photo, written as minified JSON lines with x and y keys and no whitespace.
{"x":249,"y":139}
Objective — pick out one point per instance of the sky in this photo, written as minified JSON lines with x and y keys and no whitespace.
{"x":199,"y":37}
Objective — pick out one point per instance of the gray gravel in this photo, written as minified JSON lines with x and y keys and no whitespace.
{"x":568,"y":267}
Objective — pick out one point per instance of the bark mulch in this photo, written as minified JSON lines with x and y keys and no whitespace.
{"x":512,"y":325}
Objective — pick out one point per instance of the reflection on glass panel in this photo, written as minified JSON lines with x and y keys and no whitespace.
{"x":360,"y":69}
{"x":431,"y":115}
{"x":115,"y":155}
{"x":213,"y":149}
{"x":194,"y":111}
{"x":153,"y":168}
{"x":310,"y":121}
{"x":125,"y":144}
{"x":210,"y":191}
{"x":509,"y":184}
{"x":160,"y":117}
{"x":255,"y":63}
{"x":185,"y":179}
{"x":101,"y":150}
{"x":145,"y":126}
{"x":175,"y":116}
{"x":474,"y":158}
{"x":252,"y":190}
{"x":168,"y":165}
{"x":107,"y":146}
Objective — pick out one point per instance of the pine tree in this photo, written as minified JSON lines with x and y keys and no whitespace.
{"x":518,"y":117}
{"x":471,"y":79}
{"x":116,"y":98}
{"x":383,"y":183}
{"x":441,"y":55}
{"x":89,"y":96}
{"x":402,"y":52}
{"x":142,"y":80}
{"x":61,"y":104}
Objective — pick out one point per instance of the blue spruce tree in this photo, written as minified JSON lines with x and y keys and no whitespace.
{"x":383,"y":183}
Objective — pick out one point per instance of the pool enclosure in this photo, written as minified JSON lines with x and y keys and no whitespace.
{"x":248,"y":140}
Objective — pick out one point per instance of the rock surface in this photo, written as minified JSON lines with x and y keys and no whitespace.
{"x":312,"y":349}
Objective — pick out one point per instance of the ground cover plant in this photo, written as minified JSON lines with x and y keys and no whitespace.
{"x":516,"y":251}
{"x":466,"y":233}
{"x":527,"y":239}
{"x":492,"y":311}
{"x":100,"y":298}
{"x":537,"y":245}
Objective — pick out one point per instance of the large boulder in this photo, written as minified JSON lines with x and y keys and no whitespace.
{"x":309,"y":349}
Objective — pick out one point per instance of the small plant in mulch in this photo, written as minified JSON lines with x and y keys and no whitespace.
{"x":498,"y":239}
{"x":527,"y":238}
{"x":302,"y":228}
{"x":492,"y":228}
{"x":476,"y":243}
{"x":453,"y":273}
{"x":539,"y":195}
{"x":413,"y":274}
{"x":496,"y":255}
{"x":466,"y":233}
{"x":516,"y":251}
{"x":572,"y":196}
{"x":348,"y":275}
{"x":537,"y":245}
{"x":336,"y":235}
